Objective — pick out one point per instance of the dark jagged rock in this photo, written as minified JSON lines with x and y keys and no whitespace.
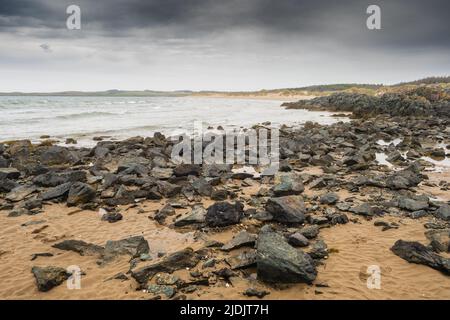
{"x":20,"y":193}
{"x":49,"y":277}
{"x":60,"y":191}
{"x":187,"y":170}
{"x":411,"y":204}
{"x":242,"y":260}
{"x":319,"y":250}
{"x":80,"y":247}
{"x":196,"y":216}
{"x":9,"y":173}
{"x":415,"y":252}
{"x":223,"y":214}
{"x":53,"y":179}
{"x":112,"y":217}
{"x":80,"y":193}
{"x":289,"y":209}
{"x":202,"y":187}
{"x":252,"y":292}
{"x":366,"y":209}
{"x":443,"y":212}
{"x":242,"y":239}
{"x":133,"y":246}
{"x":298,"y":240}
{"x":278,"y":262}
{"x":56,"y":155}
{"x":329,"y":198}
{"x":310,"y":232}
{"x":439,"y":239}
{"x":186,"y":258}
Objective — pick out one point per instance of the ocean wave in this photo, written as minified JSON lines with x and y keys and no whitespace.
{"x":88,"y":114}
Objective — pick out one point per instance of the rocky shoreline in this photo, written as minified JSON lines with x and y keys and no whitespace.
{"x":329,"y":176}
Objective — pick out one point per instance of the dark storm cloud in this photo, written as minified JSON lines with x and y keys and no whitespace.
{"x":405,"y":23}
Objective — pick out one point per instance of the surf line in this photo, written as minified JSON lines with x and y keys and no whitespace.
{"x":193,"y":310}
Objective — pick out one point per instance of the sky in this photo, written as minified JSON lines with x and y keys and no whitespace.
{"x":227,"y":45}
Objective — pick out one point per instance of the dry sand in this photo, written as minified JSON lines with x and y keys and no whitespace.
{"x":353,"y":246}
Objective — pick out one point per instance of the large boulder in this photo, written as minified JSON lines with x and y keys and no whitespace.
{"x":49,"y":277}
{"x":288,"y":210}
{"x":222,"y":214}
{"x":80,"y":193}
{"x":411,"y":204}
{"x":279,"y":262}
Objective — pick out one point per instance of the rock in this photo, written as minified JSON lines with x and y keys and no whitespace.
{"x":245,"y":259}
{"x":168,"y":189}
{"x":71,"y":141}
{"x":34,"y":256}
{"x":164,"y":212}
{"x":20,"y":193}
{"x":440,"y":239}
{"x":317,"y":219}
{"x":9,"y":173}
{"x":60,"y":191}
{"x":310,"y":232}
{"x":156,"y":289}
{"x":53,"y":179}
{"x":242,"y":239}
{"x":80,"y":193}
{"x":219,"y":195}
{"x":287,"y":184}
{"x":278,"y":262}
{"x":185,"y":258}
{"x":187,"y":170}
{"x":411,"y":204}
{"x":418,"y":214}
{"x":319,"y":250}
{"x":415,"y":252}
{"x":329,"y":198}
{"x":80,"y":247}
{"x":202,"y":187}
{"x":33,"y":204}
{"x":252,"y":292}
{"x":443,"y":212}
{"x":132,"y":246}
{"x":222,"y":214}
{"x":161,"y":173}
{"x":365,"y":210}
{"x":196,"y":216}
{"x":338,"y":218}
{"x":405,"y":179}
{"x":56,"y":155}
{"x":8,"y":185}
{"x":298,"y":240}
{"x":49,"y":277}
{"x":288,"y":210}
{"x":112,"y":217}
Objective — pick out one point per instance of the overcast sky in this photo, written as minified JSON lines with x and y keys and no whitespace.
{"x":218,"y":44}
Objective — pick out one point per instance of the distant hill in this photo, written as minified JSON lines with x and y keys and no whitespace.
{"x":314,"y":90}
